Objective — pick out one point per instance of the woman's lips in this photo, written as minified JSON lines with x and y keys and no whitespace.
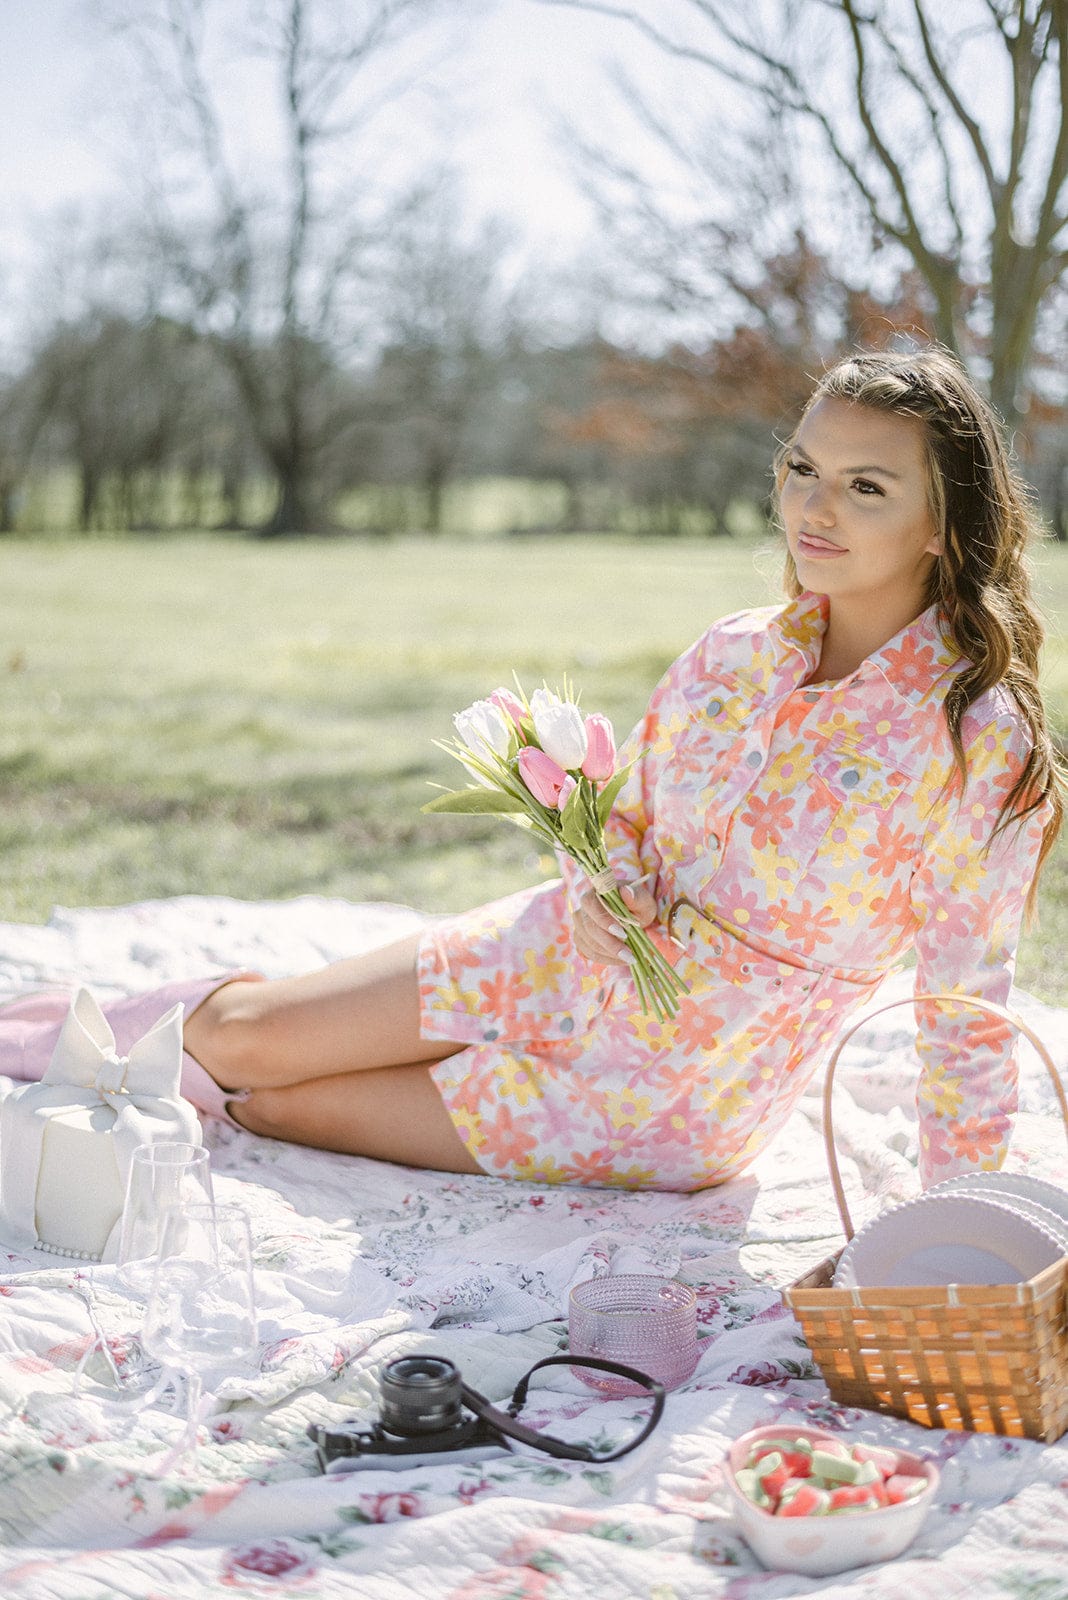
{"x":817,"y":549}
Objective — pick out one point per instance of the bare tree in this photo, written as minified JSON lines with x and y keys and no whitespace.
{"x":275,"y":271}
{"x":906,"y":97}
{"x":446,"y":319}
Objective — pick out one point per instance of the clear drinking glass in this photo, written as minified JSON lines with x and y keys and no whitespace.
{"x":161,"y":1176}
{"x":201,"y":1314}
{"x":643,"y":1321}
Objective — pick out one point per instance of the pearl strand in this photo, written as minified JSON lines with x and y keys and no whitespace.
{"x":60,"y":1250}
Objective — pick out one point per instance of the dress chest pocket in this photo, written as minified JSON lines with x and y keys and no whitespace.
{"x":701,"y":754}
{"x":848,"y":779}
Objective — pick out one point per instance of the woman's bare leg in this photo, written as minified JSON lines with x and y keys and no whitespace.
{"x":390,"y":1113}
{"x":334,"y":1059}
{"x":352,"y":1016}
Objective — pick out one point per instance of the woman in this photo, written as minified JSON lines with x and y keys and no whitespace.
{"x":819,"y":788}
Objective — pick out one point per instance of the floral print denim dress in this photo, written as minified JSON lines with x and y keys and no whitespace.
{"x":802,"y":839}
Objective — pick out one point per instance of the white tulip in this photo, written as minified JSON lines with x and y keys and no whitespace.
{"x":541,"y":698}
{"x":483,"y":725}
{"x":561,"y":729}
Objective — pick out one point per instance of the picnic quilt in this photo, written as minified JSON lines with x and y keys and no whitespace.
{"x":360,"y":1261}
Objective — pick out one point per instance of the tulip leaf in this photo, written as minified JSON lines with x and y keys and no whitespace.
{"x":573,"y":821}
{"x":471,"y":801}
{"x":606,"y":799}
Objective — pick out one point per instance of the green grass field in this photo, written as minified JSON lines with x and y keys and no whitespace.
{"x":206,"y":715}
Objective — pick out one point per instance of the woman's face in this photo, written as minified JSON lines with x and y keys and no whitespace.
{"x":855,"y":508}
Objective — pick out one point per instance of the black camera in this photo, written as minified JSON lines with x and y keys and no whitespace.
{"x":427,"y":1412}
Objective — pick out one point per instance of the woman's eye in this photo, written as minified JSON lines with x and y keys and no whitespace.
{"x":865,"y":486}
{"x":802,"y":468}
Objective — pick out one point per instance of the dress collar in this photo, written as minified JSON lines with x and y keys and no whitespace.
{"x":912,"y":662}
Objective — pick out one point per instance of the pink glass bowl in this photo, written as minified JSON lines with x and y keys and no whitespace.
{"x":645,"y":1322}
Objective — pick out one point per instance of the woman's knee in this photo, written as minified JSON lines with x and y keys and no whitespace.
{"x":227,"y":1031}
{"x":267,"y":1112}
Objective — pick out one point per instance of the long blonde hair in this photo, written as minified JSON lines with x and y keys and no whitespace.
{"x":980,"y":582}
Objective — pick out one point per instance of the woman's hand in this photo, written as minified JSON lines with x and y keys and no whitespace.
{"x":598,"y":936}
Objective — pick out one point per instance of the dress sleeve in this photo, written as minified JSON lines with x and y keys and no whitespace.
{"x":968,"y":896}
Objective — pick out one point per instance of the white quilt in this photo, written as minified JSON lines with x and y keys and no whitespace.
{"x":359,"y":1261}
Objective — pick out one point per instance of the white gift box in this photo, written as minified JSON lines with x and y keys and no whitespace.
{"x":66,"y":1143}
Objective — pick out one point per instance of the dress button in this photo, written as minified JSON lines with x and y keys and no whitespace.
{"x":777,"y":984}
{"x":746,"y":968}
{"x":754,"y":758}
{"x":713,"y":840}
{"x":714,"y":708}
{"x":850,"y":778}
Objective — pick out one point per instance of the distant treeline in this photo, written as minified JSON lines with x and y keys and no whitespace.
{"x":118,"y":425}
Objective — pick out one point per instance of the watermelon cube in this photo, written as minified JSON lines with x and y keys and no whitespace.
{"x":885,"y":1459}
{"x":902,"y":1486}
{"x":773,"y":1473}
{"x":802,"y":1499}
{"x":751,"y":1487}
{"x":796,"y":1453}
{"x":834,"y":1468}
{"x":858,"y":1497}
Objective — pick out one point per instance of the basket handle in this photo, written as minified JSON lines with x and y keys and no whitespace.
{"x":990,"y":1007}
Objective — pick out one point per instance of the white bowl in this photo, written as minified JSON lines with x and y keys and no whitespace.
{"x":819,"y":1546}
{"x":948,"y":1238}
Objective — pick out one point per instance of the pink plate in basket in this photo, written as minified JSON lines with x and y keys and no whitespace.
{"x":819,"y":1546}
{"x":947,"y":1238}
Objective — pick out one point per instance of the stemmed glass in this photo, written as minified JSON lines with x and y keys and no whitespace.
{"x":201,"y":1312}
{"x":161,"y":1176}
{"x":172,"y":1172}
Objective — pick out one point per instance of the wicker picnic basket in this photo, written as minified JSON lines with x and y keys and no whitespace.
{"x":990,"y":1359}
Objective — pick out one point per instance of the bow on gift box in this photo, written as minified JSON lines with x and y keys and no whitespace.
{"x":140,"y":1090}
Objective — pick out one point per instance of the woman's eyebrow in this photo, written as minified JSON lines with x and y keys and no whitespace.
{"x":851,"y":471}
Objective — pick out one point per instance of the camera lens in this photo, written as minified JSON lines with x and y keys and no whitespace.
{"x":420,"y":1394}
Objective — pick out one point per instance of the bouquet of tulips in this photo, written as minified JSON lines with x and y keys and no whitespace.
{"x":551,"y":769}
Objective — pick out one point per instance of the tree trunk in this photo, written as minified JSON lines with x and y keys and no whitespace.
{"x":88,"y":494}
{"x":434,"y":489}
{"x":299,"y":509}
{"x":8,"y":497}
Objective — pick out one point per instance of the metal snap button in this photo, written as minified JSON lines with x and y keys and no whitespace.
{"x":850,"y":778}
{"x":754,"y":758}
{"x":714,"y":708}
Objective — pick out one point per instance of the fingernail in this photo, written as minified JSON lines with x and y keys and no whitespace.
{"x":627,"y":955}
{"x":614,"y":927}
{"x":645,"y":877}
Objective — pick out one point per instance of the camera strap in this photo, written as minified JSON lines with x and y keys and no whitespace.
{"x":507,"y":1422}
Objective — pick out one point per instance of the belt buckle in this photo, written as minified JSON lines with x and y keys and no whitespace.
{"x":676,"y":907}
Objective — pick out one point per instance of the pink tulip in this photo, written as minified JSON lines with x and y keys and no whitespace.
{"x":600,"y":762}
{"x":567,"y":789}
{"x":512,"y":707}
{"x":545,"y":780}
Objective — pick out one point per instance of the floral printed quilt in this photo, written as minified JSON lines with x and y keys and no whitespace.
{"x":357,"y":1262}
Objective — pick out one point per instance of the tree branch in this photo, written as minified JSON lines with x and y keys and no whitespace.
{"x":683,"y":52}
{"x":940,"y":277}
{"x":1050,"y":222}
{"x":924,"y":95}
{"x":960,"y":111}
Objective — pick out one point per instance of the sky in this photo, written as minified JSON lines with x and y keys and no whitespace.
{"x":495,"y":95}
{"x":488,"y":88}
